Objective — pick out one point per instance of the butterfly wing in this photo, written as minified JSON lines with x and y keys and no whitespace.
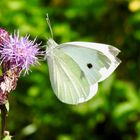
{"x":96,"y":60}
{"x":68,"y":80}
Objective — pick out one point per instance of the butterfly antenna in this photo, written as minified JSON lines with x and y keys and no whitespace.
{"x":49,"y":24}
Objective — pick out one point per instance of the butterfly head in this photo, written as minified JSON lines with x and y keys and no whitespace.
{"x":51,"y":43}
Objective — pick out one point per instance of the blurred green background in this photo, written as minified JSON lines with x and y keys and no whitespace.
{"x":114,"y":113}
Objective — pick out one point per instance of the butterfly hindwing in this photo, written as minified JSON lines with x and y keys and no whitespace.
{"x":68,"y":80}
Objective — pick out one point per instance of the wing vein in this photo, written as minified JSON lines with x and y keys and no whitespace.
{"x":69,"y":77}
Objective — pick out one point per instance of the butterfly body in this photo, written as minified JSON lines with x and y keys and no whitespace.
{"x":76,"y":68}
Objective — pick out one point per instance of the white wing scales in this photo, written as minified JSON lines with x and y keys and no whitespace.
{"x":77,"y":67}
{"x":68,"y":81}
{"x":103,"y":57}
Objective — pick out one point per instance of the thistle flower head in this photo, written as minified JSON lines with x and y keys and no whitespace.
{"x":20,"y":52}
{"x":4,"y":37}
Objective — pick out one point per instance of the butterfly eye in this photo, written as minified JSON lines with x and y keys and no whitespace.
{"x":89,"y":65}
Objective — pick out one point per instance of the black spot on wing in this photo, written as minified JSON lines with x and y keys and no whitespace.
{"x":89,"y":65}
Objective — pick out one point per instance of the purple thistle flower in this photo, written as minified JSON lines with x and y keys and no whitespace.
{"x":4,"y":36}
{"x":19,"y":52}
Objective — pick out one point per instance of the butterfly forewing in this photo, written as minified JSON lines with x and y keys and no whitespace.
{"x":96,"y":60}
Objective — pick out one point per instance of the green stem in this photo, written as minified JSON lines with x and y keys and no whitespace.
{"x":3,"y":119}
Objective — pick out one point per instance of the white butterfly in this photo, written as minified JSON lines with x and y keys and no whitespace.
{"x":76,"y":68}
